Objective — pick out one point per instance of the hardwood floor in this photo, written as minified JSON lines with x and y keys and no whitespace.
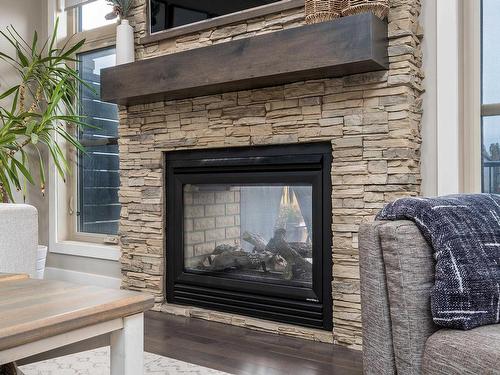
{"x":242,"y":351}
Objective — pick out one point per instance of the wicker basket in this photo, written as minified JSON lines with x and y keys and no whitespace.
{"x":378,"y":7}
{"x":322,"y":10}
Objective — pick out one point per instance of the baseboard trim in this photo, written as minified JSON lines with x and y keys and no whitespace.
{"x":53,"y":273}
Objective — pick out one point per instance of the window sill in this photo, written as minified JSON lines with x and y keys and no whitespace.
{"x":86,"y":249}
{"x":228,"y":19}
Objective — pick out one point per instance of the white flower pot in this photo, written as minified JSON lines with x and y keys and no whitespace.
{"x":125,"y":52}
{"x":41,"y":257}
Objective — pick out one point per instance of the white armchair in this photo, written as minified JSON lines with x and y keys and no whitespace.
{"x":18,"y":238}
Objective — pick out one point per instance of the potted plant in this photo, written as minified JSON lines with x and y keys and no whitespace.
{"x":36,"y":113}
{"x":42,"y":106}
{"x":125,"y":52}
{"x":39,"y":109}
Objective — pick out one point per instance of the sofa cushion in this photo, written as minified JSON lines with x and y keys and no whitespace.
{"x":449,"y":352}
{"x":409,"y":267}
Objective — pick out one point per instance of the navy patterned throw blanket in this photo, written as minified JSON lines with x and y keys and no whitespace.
{"x":464,"y":231}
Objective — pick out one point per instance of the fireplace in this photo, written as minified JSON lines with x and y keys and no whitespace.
{"x":249,"y":231}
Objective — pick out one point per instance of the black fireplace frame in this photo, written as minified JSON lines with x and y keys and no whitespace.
{"x":306,"y":162}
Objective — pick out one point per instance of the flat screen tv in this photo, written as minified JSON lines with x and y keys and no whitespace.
{"x":167,"y":14}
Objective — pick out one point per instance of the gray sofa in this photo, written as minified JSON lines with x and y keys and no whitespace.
{"x":399,"y":336}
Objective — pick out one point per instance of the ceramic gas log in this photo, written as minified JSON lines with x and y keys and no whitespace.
{"x":286,"y":260}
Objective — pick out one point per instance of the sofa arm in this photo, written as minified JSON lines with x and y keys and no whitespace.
{"x":409,"y":266}
{"x":18,"y":238}
{"x":408,"y":270}
{"x":378,"y":353}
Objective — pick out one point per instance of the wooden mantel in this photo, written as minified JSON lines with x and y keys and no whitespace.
{"x":350,"y":45}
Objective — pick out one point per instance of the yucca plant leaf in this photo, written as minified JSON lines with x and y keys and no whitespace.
{"x":8,"y":92}
{"x":4,"y":158}
{"x":71,"y":51}
{"x":23,"y":169}
{"x":7,"y":57}
{"x":22,"y":58}
{"x":34,"y":138}
{"x":18,"y":38}
{"x":30,"y":127}
{"x":54,"y":35}
{"x":14,"y":102}
{"x":33,"y":44}
{"x":5,"y":182}
{"x":40,"y":110}
{"x":41,"y":168}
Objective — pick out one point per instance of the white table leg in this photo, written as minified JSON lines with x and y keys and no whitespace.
{"x":127,"y":347}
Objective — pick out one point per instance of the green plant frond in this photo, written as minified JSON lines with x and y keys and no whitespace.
{"x":12,"y":62}
{"x":71,"y":140}
{"x":9,"y":39}
{"x":17,"y":180}
{"x":9,"y":92}
{"x":29,"y":128}
{"x":33,"y":44}
{"x":57,"y":162}
{"x":10,"y":172}
{"x":54,"y":35}
{"x":25,"y":172}
{"x":24,"y":60}
{"x":41,"y":168}
{"x":76,"y":119}
{"x":7,"y":139}
{"x":18,"y":38}
{"x":68,"y":53}
{"x":7,"y":57}
{"x":34,"y":138}
{"x":4,"y":180}
{"x":62,"y":157}
{"x":48,"y":97}
{"x":14,"y":101}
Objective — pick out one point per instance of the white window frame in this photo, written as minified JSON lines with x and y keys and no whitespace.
{"x":451,"y":122}
{"x":63,"y":237}
{"x":472,"y":143}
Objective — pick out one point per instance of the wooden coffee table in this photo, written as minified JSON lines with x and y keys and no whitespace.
{"x":40,"y":315}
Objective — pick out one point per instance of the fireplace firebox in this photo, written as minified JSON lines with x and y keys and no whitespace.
{"x":249,"y":231}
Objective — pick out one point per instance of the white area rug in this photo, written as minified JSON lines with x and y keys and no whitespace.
{"x":96,"y":362}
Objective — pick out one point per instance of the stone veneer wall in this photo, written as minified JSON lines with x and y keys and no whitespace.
{"x":372,"y":120}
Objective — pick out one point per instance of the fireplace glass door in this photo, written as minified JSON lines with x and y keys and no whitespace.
{"x":257,"y":232}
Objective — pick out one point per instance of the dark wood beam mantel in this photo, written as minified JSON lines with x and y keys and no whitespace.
{"x":349,"y":45}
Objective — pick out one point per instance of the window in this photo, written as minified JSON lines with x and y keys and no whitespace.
{"x":98,"y":169}
{"x":86,"y":211}
{"x":93,"y":15}
{"x":490,"y":102}
{"x":167,"y":14}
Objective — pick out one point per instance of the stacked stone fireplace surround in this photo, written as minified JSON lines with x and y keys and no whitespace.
{"x":372,"y":121}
